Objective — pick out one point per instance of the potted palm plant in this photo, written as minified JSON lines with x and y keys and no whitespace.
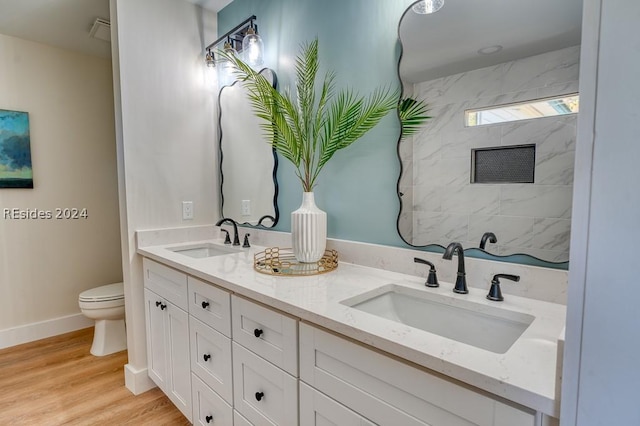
{"x":307,"y":128}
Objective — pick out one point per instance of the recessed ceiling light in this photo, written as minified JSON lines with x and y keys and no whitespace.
{"x":424,"y":7}
{"x":490,"y":50}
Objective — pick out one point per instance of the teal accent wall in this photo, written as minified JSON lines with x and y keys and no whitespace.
{"x":358,"y":39}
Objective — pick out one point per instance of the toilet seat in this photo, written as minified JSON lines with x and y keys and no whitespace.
{"x":105,"y":293}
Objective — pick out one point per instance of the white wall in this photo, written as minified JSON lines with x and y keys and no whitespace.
{"x":601,"y":372}
{"x":166,"y":138}
{"x":45,"y":264}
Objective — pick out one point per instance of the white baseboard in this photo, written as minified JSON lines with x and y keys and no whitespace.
{"x":137,"y":381}
{"x":43,"y":329}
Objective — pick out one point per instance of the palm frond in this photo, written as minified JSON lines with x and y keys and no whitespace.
{"x":413,"y":115}
{"x":351,"y":117}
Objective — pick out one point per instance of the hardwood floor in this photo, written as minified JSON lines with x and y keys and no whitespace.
{"x":56,"y":381}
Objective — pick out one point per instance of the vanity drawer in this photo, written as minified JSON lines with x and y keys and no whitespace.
{"x":166,"y":282}
{"x":211,"y":305}
{"x":208,"y":408}
{"x":211,"y":358}
{"x":387,"y":391}
{"x":317,"y":409}
{"x":269,"y":334}
{"x":262,"y":392}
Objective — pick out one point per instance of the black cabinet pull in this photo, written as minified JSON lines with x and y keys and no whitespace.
{"x":259,"y":395}
{"x":208,"y":419}
{"x":205,"y":305}
{"x":158,"y":304}
{"x":258,"y":332}
{"x":161,"y":305}
{"x":206,"y":357}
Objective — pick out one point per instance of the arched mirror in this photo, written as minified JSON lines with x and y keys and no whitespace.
{"x":248,"y":163}
{"x":494,"y":164}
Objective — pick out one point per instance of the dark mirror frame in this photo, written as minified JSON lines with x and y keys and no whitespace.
{"x":274,"y":219}
{"x":475,"y":252}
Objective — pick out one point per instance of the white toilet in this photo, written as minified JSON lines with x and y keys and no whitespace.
{"x":105,"y":305}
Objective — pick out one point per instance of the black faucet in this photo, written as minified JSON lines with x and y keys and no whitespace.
{"x":236,"y":238}
{"x":488,"y":236}
{"x":461,"y":280}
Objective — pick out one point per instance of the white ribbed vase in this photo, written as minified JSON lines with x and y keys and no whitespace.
{"x":308,"y":230}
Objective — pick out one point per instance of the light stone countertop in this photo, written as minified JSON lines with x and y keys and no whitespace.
{"x":525,"y":374}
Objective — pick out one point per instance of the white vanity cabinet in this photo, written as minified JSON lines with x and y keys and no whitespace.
{"x":224,"y":359}
{"x":167,"y":325}
{"x":386,"y":391}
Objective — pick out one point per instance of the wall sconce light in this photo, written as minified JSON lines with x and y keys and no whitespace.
{"x":243,"y":38}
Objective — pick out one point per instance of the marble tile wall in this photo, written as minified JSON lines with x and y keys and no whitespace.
{"x":527,"y":218}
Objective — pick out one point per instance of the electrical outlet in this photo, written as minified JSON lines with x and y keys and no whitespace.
{"x":246,"y":208}
{"x":187,"y":210}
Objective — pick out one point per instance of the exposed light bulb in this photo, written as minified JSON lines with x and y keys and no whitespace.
{"x":253,"y":49}
{"x":427,"y":6}
{"x":209,"y":60}
{"x":226,"y":76}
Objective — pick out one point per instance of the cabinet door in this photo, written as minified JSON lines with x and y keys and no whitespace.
{"x":390,"y":392}
{"x":157,"y":362}
{"x":179,"y":361}
{"x":317,"y":409}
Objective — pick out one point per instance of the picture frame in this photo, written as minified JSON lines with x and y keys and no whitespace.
{"x":15,"y":150}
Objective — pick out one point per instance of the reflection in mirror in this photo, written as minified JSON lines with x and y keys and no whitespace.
{"x":248,"y":163}
{"x":466,"y":58}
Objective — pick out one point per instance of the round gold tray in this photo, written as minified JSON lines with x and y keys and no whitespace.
{"x":281,"y":261}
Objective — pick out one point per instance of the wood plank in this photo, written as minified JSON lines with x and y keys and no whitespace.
{"x":56,"y":381}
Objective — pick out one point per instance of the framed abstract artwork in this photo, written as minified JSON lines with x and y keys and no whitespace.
{"x":15,"y":150}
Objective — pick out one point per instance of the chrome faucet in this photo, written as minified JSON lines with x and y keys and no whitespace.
{"x":461,"y":280}
{"x":490,"y":236}
{"x":236,"y":238}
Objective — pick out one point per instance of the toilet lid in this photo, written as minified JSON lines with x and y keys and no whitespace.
{"x":103,"y":293}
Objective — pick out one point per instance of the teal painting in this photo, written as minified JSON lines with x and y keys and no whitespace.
{"x":15,"y":150}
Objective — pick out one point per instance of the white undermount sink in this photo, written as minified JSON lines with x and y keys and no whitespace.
{"x":483,"y":326}
{"x":199,"y":251}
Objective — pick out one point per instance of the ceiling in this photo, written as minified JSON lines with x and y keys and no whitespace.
{"x":447,"y":42}
{"x":65,"y":23}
